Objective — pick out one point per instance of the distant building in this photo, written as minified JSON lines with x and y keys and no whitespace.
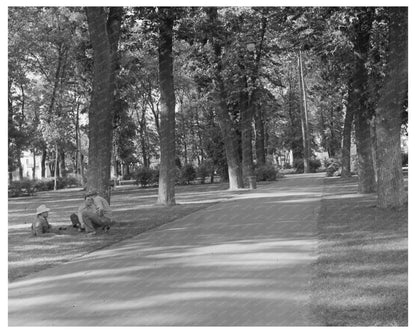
{"x":27,"y":165}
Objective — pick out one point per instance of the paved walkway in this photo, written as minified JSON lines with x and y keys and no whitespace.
{"x":244,"y":262}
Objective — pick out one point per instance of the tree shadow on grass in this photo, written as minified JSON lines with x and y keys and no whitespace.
{"x":361,"y":274}
{"x":241,"y":262}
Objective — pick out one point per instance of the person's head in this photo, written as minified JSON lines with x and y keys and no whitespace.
{"x":42,"y":210}
{"x":89,"y":201}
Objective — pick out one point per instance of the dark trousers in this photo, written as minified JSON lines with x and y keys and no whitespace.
{"x":92,"y":221}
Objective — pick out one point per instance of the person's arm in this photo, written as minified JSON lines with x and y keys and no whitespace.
{"x":36,"y":229}
{"x":98,"y":202}
{"x":80,"y":209}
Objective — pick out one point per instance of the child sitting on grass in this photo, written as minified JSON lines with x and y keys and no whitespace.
{"x":41,"y":225}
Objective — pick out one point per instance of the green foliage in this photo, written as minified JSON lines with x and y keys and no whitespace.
{"x":50,"y":66}
{"x":204,"y":170}
{"x":266,"y":173}
{"x":29,"y":186}
{"x":68,"y":181}
{"x":146,"y":176}
{"x":187,"y":173}
{"x":314,"y":165}
{"x":23,"y":187}
{"x":45,"y":184}
{"x":143,"y":176}
{"x":332,"y":166}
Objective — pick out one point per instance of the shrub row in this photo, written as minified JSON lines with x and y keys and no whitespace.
{"x":313,"y":165}
{"x":188,"y":173}
{"x":146,"y":176}
{"x":267,"y":173}
{"x":30,"y":186}
{"x":184,"y":175}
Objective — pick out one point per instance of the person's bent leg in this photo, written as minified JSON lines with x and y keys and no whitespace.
{"x":107,"y":222}
{"x":91,"y":221}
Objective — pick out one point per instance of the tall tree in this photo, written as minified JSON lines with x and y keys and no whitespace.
{"x":390,"y":188}
{"x":346,"y":138}
{"x":228,"y":131}
{"x":104,"y":34}
{"x":360,"y":97}
{"x":166,"y":194}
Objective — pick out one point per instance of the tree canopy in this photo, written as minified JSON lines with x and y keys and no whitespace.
{"x":238,"y":98}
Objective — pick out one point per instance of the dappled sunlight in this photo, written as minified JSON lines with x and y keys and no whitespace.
{"x":196,"y":201}
{"x":32,"y":246}
{"x":45,"y":281}
{"x":362,"y":267}
{"x":179,"y":297}
{"x":21,"y":226}
{"x":258,"y":195}
{"x":44,"y":260}
{"x":346,"y":301}
{"x":348,"y":196}
{"x":36,"y":301}
{"x":304,"y":197}
{"x":135,"y":207}
{"x":238,"y":247}
{"x":214,"y":259}
{"x":217,"y":283}
{"x":305,"y":200}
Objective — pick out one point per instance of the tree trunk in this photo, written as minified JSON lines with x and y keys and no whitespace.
{"x":359,"y":100}
{"x":346,"y":142}
{"x":235,"y":174}
{"x":57,"y":168}
{"x":34,"y":165}
{"x":104,"y":35}
{"x":228,"y":131}
{"x":390,"y":187}
{"x":366,"y":174}
{"x":304,"y":117}
{"x":81,"y":168}
{"x":55,"y":187}
{"x":77,"y":141}
{"x":114,"y":161}
{"x":260,"y":138}
{"x":246,"y":116}
{"x":167,"y":170}
{"x":20,"y":169}
{"x":62,"y":166}
{"x":143,"y":135}
{"x":43,"y":164}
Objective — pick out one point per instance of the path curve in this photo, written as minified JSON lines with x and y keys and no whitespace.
{"x":243,"y":262}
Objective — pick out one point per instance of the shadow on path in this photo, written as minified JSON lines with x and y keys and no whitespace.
{"x":243,"y":262}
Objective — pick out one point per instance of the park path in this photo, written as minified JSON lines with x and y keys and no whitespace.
{"x":243,"y":262}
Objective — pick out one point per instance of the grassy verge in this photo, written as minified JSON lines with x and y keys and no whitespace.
{"x":134,"y":210}
{"x":361,"y":274}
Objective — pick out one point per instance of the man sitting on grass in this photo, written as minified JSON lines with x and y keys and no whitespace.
{"x":95,"y":213}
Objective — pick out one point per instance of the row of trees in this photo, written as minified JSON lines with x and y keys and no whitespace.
{"x":231,"y":87}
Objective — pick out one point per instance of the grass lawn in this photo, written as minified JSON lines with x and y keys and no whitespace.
{"x":361,"y":273}
{"x":134,"y":210}
{"x":360,"y":276}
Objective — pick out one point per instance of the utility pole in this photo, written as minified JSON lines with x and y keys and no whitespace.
{"x":304,"y":117}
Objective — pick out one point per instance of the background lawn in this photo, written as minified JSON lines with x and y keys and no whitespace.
{"x":134,"y":210}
